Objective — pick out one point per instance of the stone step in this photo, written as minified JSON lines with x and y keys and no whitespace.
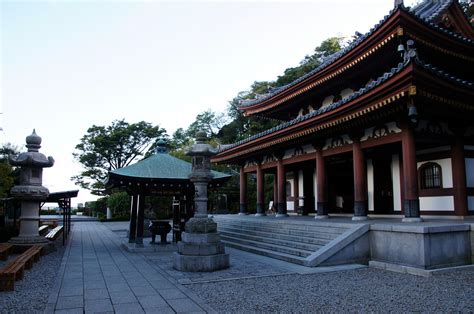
{"x":266,"y":234}
{"x":338,"y":229}
{"x":269,"y":253}
{"x":282,"y":242}
{"x":278,"y":230}
{"x":268,"y":246}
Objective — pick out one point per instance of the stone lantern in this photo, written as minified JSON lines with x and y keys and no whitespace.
{"x":200,"y":248}
{"x":30,"y":192}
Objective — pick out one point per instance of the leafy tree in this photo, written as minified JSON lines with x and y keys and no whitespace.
{"x":105,"y":148}
{"x":119,"y":204}
{"x":9,"y":176}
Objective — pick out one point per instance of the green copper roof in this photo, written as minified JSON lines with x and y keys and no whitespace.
{"x":161,"y":166}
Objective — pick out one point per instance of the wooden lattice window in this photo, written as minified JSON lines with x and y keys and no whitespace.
{"x":431,"y":176}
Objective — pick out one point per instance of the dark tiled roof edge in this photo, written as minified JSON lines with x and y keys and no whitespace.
{"x":331,"y":59}
{"x":325,"y":109}
{"x":373,"y":84}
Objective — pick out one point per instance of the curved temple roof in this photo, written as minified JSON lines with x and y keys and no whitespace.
{"x":360,"y":92}
{"x":160,"y":166}
{"x":426,"y":11}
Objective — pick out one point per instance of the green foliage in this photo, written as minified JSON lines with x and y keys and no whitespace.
{"x":9,"y":176}
{"x":119,"y":204}
{"x":310,"y":62}
{"x":105,"y":148}
{"x":100,"y":205}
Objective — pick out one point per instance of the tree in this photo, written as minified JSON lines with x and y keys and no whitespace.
{"x":106,"y":148}
{"x":119,"y":204}
{"x":8,"y":175}
{"x":209,"y":121}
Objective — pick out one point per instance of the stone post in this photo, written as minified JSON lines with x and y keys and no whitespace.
{"x":200,"y":248}
{"x":30,"y":192}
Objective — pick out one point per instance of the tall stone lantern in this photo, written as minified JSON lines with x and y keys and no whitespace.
{"x":30,"y":192}
{"x":200,"y":249}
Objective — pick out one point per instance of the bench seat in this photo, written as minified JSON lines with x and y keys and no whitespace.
{"x":5,"y":249}
{"x":54,"y":234}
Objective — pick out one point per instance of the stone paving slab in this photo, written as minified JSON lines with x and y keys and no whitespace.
{"x":96,"y":275}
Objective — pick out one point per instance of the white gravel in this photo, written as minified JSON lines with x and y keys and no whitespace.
{"x":32,"y":292}
{"x":363,"y":290}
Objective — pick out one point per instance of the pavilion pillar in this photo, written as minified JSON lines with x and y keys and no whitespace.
{"x":458,"y":165}
{"x":140,"y":220}
{"x":243,"y":192}
{"x":281,"y":178}
{"x":260,"y":191}
{"x":322,"y":205}
{"x":360,"y":181}
{"x":411,"y":200}
{"x":296,"y":191}
{"x":133,"y":219}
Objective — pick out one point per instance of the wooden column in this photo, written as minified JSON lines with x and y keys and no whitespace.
{"x":322,"y":205}
{"x":133,"y":218}
{"x":275,"y":191}
{"x":360,"y":181}
{"x":411,"y":202}
{"x":458,"y":165}
{"x":243,"y":192}
{"x":281,"y":176}
{"x":260,"y":191}
{"x":296,"y":194}
{"x":140,"y":219}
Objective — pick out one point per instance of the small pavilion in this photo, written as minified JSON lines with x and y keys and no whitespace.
{"x":158,"y":175}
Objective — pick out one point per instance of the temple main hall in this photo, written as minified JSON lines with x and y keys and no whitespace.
{"x":383,"y":127}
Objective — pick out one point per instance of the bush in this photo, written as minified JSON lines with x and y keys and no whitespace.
{"x":120,"y":218}
{"x":48,"y":212}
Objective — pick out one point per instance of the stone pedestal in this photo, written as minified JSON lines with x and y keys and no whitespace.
{"x":29,"y":221}
{"x":200,"y":248}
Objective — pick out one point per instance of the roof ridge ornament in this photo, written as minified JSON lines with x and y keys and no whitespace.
{"x":398,"y":3}
{"x":161,"y":146}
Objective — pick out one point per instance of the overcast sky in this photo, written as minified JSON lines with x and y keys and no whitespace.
{"x":66,"y":65}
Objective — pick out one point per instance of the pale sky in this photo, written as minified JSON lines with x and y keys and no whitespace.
{"x":66,"y":65}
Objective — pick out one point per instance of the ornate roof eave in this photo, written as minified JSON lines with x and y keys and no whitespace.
{"x":389,"y":89}
{"x":378,"y":36}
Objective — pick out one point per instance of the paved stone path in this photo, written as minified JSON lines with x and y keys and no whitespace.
{"x":96,"y":275}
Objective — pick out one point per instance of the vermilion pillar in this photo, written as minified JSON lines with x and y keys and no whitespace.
{"x":321,"y":206}
{"x":133,"y":219}
{"x":260,"y":192}
{"x":281,"y":175}
{"x":140,"y":220}
{"x":410,"y":176}
{"x":459,"y":176}
{"x":275,"y":191}
{"x":360,"y":181}
{"x":243,"y":192}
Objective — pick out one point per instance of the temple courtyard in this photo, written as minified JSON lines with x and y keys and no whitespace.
{"x":94,"y":273}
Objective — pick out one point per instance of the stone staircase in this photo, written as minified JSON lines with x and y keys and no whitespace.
{"x":288,"y":240}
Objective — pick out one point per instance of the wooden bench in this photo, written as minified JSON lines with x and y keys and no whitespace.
{"x":54,"y":234}
{"x":43,"y":229}
{"x":14,"y":270}
{"x":30,"y":256}
{"x":5,"y":249}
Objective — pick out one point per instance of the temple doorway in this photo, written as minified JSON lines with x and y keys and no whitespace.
{"x":340,"y":183}
{"x":383,"y":186}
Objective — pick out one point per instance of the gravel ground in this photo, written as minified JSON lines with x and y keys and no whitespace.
{"x":32,"y":292}
{"x":363,"y":290}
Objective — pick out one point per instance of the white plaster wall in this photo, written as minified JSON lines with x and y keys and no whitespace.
{"x":327,"y":101}
{"x":437,"y":203}
{"x":370,"y":183}
{"x":397,"y":196}
{"x":470,"y":203}
{"x":447,"y":171}
{"x":470,"y":172}
{"x":300,"y":187}
{"x":346,"y":92}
